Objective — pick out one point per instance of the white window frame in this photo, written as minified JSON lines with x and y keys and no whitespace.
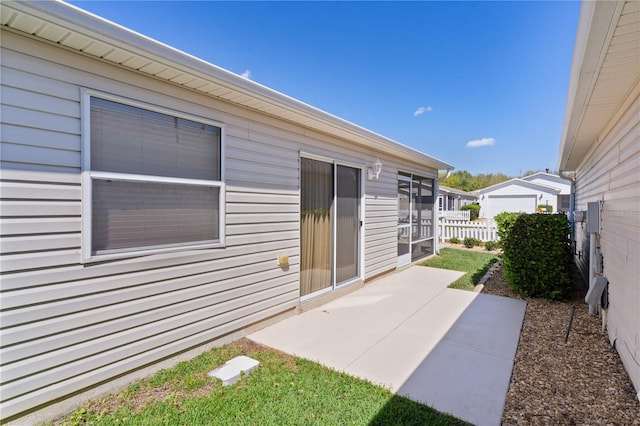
{"x":89,"y":175}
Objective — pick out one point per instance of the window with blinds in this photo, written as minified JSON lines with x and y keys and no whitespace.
{"x":155,"y":180}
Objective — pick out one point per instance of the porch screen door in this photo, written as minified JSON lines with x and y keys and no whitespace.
{"x":404,"y":221}
{"x":415,"y":218}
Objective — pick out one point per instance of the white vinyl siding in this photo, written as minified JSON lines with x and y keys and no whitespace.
{"x":381,"y":221}
{"x":68,"y":325}
{"x":611,"y":174}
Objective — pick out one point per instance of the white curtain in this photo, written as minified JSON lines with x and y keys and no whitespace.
{"x":316,"y":195}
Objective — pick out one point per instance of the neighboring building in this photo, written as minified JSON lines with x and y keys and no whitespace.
{"x":453,"y":199}
{"x":562,"y":203}
{"x":517,"y":195}
{"x":154,"y":204}
{"x":601,"y":144}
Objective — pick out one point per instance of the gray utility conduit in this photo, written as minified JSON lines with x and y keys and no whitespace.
{"x":573,"y":312}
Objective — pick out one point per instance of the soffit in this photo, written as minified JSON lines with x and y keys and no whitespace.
{"x":604,"y":75}
{"x":66,"y":25}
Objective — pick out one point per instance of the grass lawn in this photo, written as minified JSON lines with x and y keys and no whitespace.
{"x":474,"y":263}
{"x":283,"y":390}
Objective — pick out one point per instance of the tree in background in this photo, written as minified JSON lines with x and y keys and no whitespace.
{"x":465,"y":181}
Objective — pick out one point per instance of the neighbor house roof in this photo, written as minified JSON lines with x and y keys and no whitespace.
{"x":76,"y":29}
{"x":518,"y":182}
{"x":444,"y":188}
{"x":605,"y":74}
{"x":543,"y":175}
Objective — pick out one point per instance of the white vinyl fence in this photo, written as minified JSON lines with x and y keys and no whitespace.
{"x":455,"y":214}
{"x":484,"y":231}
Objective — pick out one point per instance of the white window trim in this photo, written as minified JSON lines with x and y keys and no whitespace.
{"x":87,"y":176}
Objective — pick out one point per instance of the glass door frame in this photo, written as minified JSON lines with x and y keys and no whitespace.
{"x":360,"y":261}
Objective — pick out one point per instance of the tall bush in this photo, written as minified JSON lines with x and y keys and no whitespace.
{"x":537,"y":255}
{"x":504,"y":222}
{"x":474,"y":210}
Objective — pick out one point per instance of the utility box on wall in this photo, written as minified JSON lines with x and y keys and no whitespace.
{"x":593,"y":217}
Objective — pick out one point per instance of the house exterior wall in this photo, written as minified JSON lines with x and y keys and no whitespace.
{"x":66,"y":325}
{"x":521,"y":197}
{"x":610,"y":173}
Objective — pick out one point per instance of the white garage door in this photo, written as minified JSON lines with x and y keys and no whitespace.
{"x":512,"y":203}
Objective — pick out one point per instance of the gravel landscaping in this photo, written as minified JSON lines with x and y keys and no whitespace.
{"x":581,"y":382}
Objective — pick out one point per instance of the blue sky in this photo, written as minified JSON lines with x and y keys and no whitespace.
{"x":480,"y":85}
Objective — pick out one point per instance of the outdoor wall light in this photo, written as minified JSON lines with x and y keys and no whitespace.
{"x":283,"y":259}
{"x":374,"y":172}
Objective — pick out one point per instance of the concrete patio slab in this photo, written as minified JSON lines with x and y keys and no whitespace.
{"x":450,"y":349}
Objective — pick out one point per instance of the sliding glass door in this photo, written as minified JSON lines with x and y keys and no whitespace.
{"x":316,"y":210}
{"x":330,"y":226}
{"x":347,"y":224}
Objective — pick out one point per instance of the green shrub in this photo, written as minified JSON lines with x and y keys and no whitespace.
{"x":474,"y":210}
{"x":471,"y":242}
{"x":504,"y":222}
{"x":491,"y":245}
{"x":537,"y":255}
{"x":454,"y":240}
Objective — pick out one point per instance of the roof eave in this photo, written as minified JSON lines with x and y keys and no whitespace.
{"x":596,"y":28}
{"x":76,"y":20}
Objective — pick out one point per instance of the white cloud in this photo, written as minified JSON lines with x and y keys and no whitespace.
{"x":246,"y":74}
{"x":481,"y":142}
{"x":422,"y":110}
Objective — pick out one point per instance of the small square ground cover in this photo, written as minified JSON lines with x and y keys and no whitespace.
{"x":230,"y":372}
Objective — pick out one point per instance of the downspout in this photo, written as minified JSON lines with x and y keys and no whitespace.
{"x":593,"y":308}
{"x":572,"y":202}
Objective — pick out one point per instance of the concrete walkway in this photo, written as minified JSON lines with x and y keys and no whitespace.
{"x":450,"y":349}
